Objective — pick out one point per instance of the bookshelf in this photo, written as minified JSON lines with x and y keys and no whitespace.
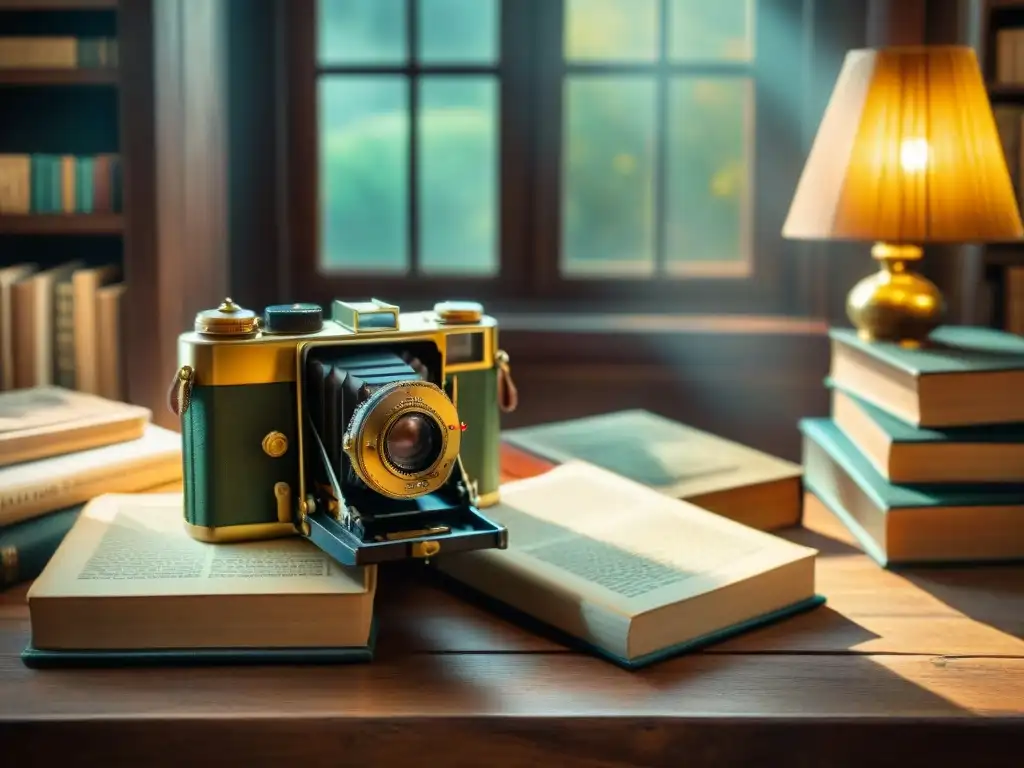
{"x":59,"y":202}
{"x":62,"y":224}
{"x":16,"y":77}
{"x":1002,"y":57}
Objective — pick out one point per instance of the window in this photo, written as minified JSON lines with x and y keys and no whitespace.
{"x":543,"y":150}
{"x":657,"y":138}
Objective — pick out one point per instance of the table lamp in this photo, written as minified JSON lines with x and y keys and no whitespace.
{"x":907,"y":154}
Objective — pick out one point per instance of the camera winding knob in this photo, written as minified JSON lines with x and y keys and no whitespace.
{"x":228,"y":319}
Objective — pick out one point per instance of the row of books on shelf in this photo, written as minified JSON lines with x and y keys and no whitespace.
{"x":62,"y":326}
{"x":47,"y":52}
{"x":49,"y":184}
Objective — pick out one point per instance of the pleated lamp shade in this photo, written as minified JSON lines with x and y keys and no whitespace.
{"x":907,"y":152}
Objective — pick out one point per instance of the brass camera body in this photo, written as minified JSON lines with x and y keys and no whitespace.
{"x":374,"y":433}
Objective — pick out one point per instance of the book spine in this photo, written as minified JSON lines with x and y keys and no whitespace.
{"x":64,"y":335}
{"x":110,"y":360}
{"x":116,"y":189}
{"x":33,"y":499}
{"x":25,"y":334}
{"x":56,"y":196}
{"x":83,"y":195}
{"x":32,"y":52}
{"x":26,"y":548}
{"x":67,"y":184}
{"x":1015,"y":300}
{"x":15,"y":184}
{"x":101,"y":184}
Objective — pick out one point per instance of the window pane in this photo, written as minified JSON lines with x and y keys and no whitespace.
{"x":608,"y":181}
{"x":364,"y":156}
{"x":623,"y":30}
{"x":458,"y":31}
{"x":708,"y":216}
{"x":457,"y":181}
{"x":722,"y":30}
{"x":361,"y":31}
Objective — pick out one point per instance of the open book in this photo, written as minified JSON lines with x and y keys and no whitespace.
{"x":628,"y":571}
{"x":128,"y":584}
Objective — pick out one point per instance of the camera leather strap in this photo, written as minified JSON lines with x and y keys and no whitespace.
{"x":508,"y":395}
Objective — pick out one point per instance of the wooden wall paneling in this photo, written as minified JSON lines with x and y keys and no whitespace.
{"x":959,"y":270}
{"x":143,"y":299}
{"x":835,"y":27}
{"x":252,"y":150}
{"x":190,"y":85}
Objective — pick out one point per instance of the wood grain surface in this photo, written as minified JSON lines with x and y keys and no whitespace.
{"x":908,"y":668}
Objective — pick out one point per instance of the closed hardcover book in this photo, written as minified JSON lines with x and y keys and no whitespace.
{"x":86,"y":284}
{"x":907,"y":455}
{"x":35,"y":488}
{"x":614,"y":567}
{"x":8,"y":330}
{"x":677,"y":460}
{"x":26,"y":547}
{"x":901,"y":524}
{"x":962,"y":376}
{"x":41,"y":422}
{"x":128,"y":586}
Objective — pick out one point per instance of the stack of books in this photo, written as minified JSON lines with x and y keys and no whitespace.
{"x":58,"y":450}
{"x":923,"y":456}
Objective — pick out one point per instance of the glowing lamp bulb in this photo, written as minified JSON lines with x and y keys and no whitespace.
{"x":914,"y":155}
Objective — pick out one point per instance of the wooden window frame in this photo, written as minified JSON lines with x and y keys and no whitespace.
{"x":530,"y":129}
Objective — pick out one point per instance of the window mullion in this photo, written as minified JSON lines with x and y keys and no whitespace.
{"x":661,"y":140}
{"x":412,"y":85}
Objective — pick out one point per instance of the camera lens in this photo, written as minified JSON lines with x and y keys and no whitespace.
{"x":413,"y":442}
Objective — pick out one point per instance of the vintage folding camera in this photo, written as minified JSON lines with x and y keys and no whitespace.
{"x":374,"y":433}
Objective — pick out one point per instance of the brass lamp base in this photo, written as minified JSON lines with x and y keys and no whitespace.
{"x":895,"y":304}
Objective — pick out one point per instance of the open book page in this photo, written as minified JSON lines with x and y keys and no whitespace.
{"x":619,"y":544}
{"x":677,"y":460}
{"x":136,"y":544}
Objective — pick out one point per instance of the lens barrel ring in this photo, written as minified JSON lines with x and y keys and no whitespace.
{"x":365,"y":438}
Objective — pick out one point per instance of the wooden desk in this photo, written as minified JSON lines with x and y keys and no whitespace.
{"x":921,"y":668}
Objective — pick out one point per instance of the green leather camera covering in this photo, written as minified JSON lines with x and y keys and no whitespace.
{"x":481,"y":442}
{"x":232,"y":478}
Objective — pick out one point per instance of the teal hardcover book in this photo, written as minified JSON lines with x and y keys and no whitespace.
{"x":35,"y":658}
{"x":128,"y":586}
{"x":907,"y":455}
{"x":611,"y":566}
{"x":26,"y":547}
{"x":968,"y":522}
{"x":962,"y":376}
